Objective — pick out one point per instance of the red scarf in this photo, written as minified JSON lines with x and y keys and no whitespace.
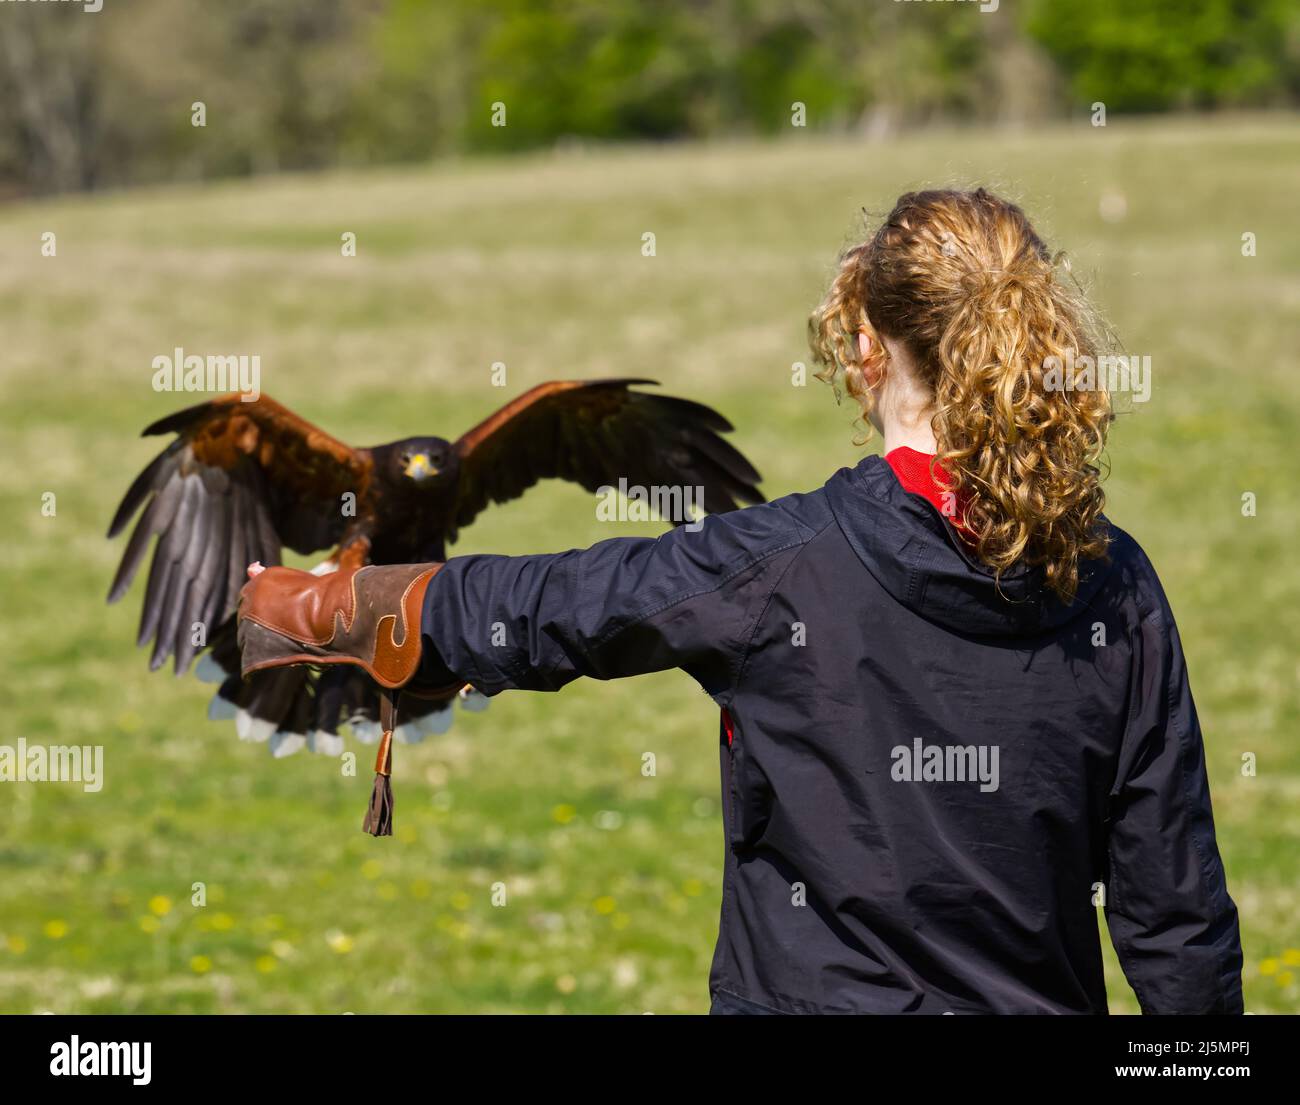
{"x":913,"y":472}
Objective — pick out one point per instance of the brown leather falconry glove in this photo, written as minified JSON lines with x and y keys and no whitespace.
{"x":368,"y":617}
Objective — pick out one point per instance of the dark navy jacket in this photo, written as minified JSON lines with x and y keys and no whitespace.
{"x":931,"y":781}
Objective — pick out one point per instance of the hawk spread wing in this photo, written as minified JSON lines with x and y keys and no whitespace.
{"x":592,"y":433}
{"x":240,"y":482}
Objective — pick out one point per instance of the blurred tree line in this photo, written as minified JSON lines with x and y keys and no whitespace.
{"x":105,"y":99}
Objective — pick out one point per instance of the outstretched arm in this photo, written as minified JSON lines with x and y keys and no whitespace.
{"x":625,"y":606}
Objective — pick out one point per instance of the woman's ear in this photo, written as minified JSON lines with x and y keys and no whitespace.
{"x":873,"y":370}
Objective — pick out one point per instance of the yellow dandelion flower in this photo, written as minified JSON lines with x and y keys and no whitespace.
{"x":460,"y":900}
{"x":200,"y":964}
{"x":1286,"y":978}
{"x":160,"y":905}
{"x":1291,"y":957}
{"x":605,"y":905}
{"x":620,"y":920}
{"x":265,"y":964}
{"x":222,"y":922}
{"x":56,"y":929}
{"x":339,"y":942}
{"x":1268,"y":966}
{"x":150,"y":924}
{"x":372,"y":869}
{"x":282,"y":948}
{"x":421,"y":888}
{"x":692,"y":888}
{"x":386,"y":891}
{"x":563,"y":814}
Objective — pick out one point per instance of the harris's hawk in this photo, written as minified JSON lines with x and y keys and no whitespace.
{"x":243,"y":480}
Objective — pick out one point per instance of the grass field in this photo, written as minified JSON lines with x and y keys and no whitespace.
{"x":612,"y":878}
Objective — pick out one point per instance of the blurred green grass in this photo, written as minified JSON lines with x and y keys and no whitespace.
{"x":611,"y":878}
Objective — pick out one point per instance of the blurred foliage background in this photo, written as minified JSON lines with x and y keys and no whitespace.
{"x":104,"y":100}
{"x":466,"y":257}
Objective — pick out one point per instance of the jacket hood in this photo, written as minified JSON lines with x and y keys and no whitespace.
{"x":917,"y":557}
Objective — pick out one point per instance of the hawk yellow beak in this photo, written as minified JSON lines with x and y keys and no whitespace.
{"x":419,"y":468}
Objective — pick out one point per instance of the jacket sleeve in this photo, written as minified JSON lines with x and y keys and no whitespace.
{"x":1171,"y":920}
{"x":625,"y":606}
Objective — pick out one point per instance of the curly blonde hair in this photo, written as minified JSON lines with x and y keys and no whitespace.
{"x":963,"y":282}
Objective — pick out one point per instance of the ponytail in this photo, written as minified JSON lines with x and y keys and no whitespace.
{"x":963,"y":281}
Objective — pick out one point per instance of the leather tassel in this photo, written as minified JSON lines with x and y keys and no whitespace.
{"x":379,"y":817}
